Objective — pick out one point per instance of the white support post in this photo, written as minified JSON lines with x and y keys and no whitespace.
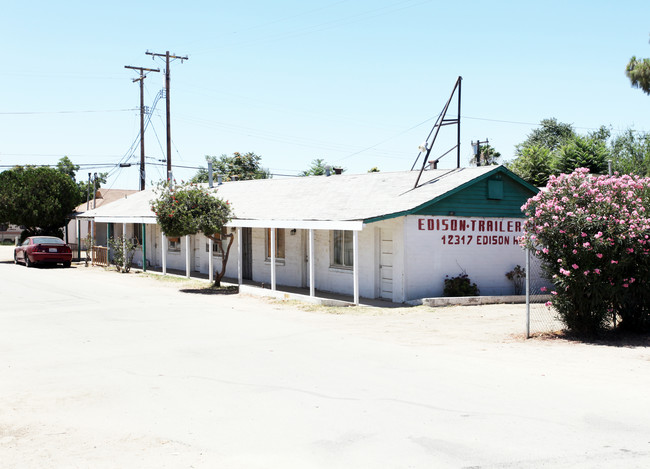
{"x":528,"y":293}
{"x":355,"y":268}
{"x":312,"y":264}
{"x":273,"y":259}
{"x":240,"y":256}
{"x":78,"y":239}
{"x":163,"y":246}
{"x":210,"y":260}
{"x":187,"y":256}
{"x":124,"y":254}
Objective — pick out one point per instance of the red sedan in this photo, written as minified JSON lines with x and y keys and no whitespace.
{"x":43,"y":249}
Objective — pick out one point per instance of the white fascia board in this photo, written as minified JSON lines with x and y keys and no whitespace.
{"x":146,"y":220}
{"x":354,"y":225}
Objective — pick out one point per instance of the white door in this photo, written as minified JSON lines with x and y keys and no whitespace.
{"x":386,"y":264}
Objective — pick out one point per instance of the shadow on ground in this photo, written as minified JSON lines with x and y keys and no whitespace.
{"x":611,"y":338}
{"x":230,"y":290}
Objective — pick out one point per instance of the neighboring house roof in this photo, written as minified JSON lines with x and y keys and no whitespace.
{"x":103,"y":197}
{"x":342,"y":201}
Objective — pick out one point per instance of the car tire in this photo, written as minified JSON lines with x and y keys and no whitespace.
{"x":28,"y":263}
{"x":67,"y":264}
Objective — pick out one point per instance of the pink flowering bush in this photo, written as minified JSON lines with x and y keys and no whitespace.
{"x":592,"y":234}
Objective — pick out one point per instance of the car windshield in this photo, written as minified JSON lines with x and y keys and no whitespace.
{"x":47,"y":240}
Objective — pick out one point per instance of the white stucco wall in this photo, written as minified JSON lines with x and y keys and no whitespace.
{"x":424,"y":250}
{"x":484,"y":248}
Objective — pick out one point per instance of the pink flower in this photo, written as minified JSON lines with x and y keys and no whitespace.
{"x":599,"y":256}
{"x":614,"y":262}
{"x":548,"y":304}
{"x":597,"y":271}
{"x":553,"y":293}
{"x":543,"y":289}
{"x":625,"y":285}
{"x":575,"y":266}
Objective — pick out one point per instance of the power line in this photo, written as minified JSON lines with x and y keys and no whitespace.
{"x":18,"y":113}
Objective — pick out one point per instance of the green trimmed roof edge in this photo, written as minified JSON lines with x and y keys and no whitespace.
{"x":497,"y":169}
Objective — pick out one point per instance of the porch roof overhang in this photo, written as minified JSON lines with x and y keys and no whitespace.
{"x":146,"y":220}
{"x":352,"y":225}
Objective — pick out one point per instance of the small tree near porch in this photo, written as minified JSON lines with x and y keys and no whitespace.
{"x":189,"y":209}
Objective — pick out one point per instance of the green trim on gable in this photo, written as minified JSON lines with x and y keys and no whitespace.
{"x":471,"y":199}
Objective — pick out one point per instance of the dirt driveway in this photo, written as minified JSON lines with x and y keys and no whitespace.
{"x":106,"y":370}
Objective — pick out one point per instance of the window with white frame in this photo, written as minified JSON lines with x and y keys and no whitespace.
{"x":174,"y":244}
{"x":279,"y":243}
{"x":342,"y":249}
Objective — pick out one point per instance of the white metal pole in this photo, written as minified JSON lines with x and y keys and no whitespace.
{"x":124,"y":245}
{"x":187,"y":256}
{"x":527,"y":293}
{"x":312,"y":264}
{"x":163,"y":246}
{"x":355,"y":247}
{"x":210,"y":260}
{"x":273,"y":259}
{"x":240,"y":254}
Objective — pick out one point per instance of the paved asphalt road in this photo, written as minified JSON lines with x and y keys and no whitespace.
{"x":105,"y":370}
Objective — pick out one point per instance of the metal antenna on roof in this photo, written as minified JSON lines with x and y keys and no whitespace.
{"x":440,"y":121}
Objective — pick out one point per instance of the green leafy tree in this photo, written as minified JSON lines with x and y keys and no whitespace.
{"x":189,"y":209}
{"x":67,"y":167}
{"x":235,"y":167}
{"x":638,"y":71}
{"x":534,"y":165}
{"x":536,"y":156}
{"x":374,"y":169}
{"x":37,"y":198}
{"x":319,"y":168}
{"x":551,"y":134}
{"x":630,"y":153}
{"x":582,"y":152}
{"x":488,"y":156}
{"x":556,"y":148}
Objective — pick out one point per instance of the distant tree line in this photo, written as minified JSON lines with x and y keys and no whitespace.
{"x":555,"y":148}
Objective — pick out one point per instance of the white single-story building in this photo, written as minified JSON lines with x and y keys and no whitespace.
{"x":79,"y":228}
{"x":373,"y":235}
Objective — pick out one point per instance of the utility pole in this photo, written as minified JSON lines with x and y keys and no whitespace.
{"x":476,"y":148}
{"x":141,"y":80}
{"x":169,"y":135}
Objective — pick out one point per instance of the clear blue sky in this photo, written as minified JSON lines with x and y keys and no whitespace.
{"x":357,"y":83}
